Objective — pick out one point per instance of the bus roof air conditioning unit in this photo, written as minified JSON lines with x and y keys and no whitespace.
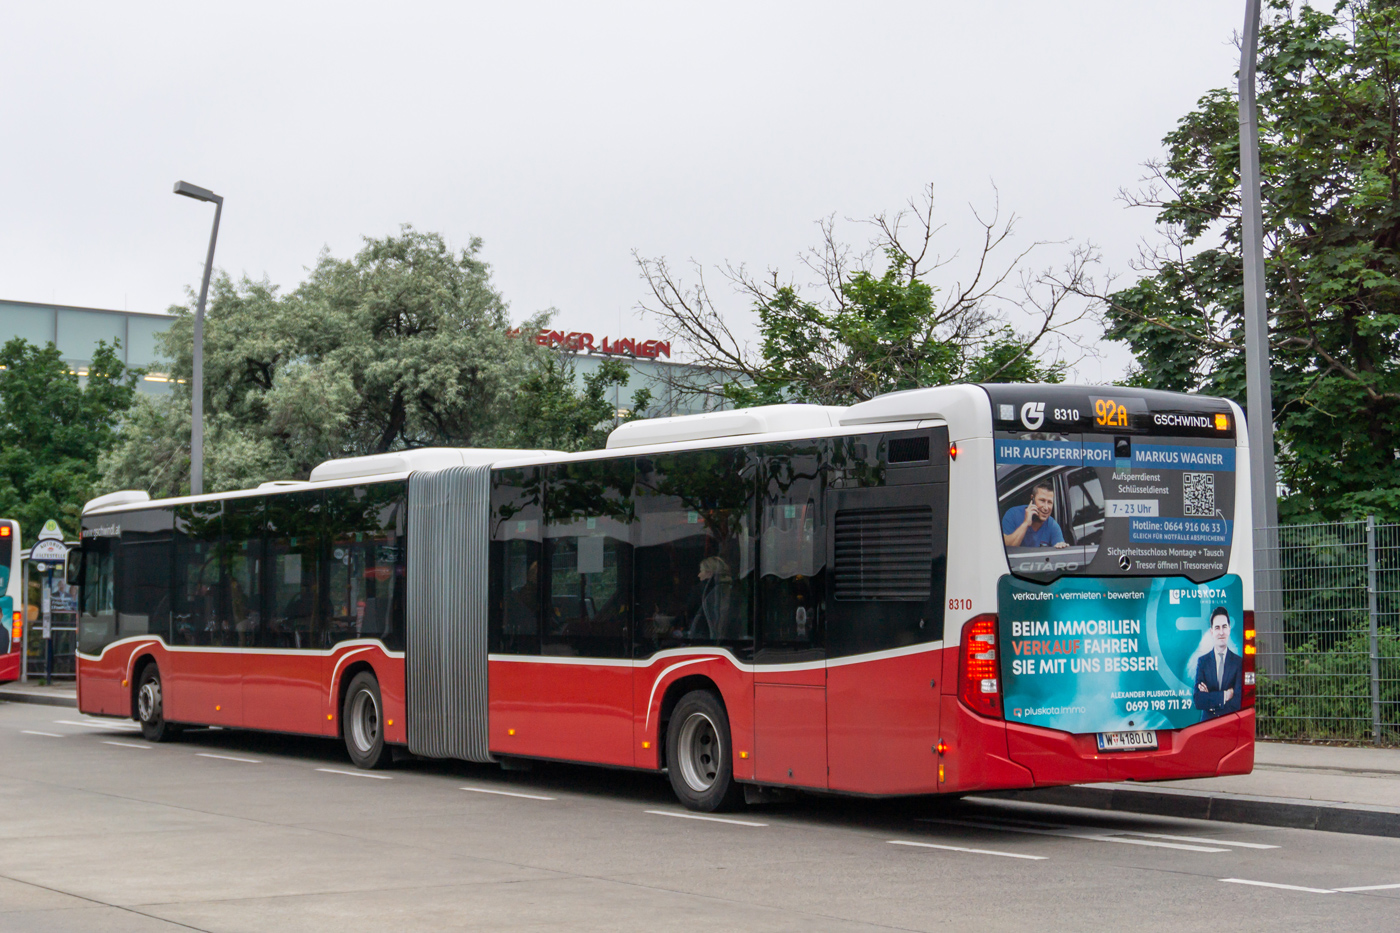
{"x":766,"y":419}
{"x":124,"y":497}
{"x":408,"y":461}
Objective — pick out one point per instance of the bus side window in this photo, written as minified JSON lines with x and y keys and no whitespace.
{"x":792,"y":559}
{"x":516,"y":587}
{"x":695,"y":555}
{"x":143,"y":591}
{"x":588,"y":556}
{"x":293,"y":609}
{"x":243,"y":560}
{"x":364,"y":560}
{"x":97,"y":626}
{"x":198,"y":612}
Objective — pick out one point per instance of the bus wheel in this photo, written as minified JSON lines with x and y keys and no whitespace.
{"x":362,"y":720}
{"x":150,"y":708}
{"x":699,"y":754}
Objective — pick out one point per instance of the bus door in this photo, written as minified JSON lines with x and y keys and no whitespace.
{"x":789,"y":658}
{"x":284,"y":686}
{"x":204,"y":684}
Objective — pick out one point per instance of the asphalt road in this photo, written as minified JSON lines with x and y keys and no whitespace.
{"x":238,"y":831}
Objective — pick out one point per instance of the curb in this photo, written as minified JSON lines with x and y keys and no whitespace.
{"x":42,"y":699}
{"x":1287,"y":812}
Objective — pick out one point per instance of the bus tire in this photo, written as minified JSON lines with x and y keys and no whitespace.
{"x":700,"y":754}
{"x":150,"y":707}
{"x":362,"y":721}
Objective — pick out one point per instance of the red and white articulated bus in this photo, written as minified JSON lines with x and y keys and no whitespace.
{"x":12,"y":602}
{"x":935,"y":591}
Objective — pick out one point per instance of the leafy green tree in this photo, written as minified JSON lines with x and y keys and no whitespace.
{"x":405,"y":345}
{"x":551,"y":412}
{"x":53,"y":428}
{"x":878,"y":321}
{"x":1329,"y":100}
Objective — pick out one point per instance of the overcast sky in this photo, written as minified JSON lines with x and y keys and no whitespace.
{"x":568,"y":135}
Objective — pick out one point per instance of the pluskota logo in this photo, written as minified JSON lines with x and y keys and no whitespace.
{"x":1033,"y":415}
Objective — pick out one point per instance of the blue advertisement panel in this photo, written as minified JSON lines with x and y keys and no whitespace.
{"x":1096,"y":654}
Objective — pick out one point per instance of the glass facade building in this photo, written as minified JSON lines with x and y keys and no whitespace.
{"x":76,"y":331}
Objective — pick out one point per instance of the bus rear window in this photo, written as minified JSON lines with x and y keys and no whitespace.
{"x":1113,"y":487}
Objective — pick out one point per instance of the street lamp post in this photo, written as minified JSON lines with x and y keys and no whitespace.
{"x":197,"y":381}
{"x":1259,"y":392}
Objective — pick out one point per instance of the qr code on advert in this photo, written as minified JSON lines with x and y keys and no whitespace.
{"x":1198,"y":494}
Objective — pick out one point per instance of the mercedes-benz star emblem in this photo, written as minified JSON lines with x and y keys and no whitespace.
{"x":1124,"y":563}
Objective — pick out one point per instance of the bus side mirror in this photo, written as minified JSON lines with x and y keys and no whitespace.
{"x":74,"y":568}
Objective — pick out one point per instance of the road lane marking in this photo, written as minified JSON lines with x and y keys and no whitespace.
{"x":128,"y":745}
{"x":52,"y":735}
{"x":506,"y":793}
{"x":1070,"y":834}
{"x":1370,"y":887}
{"x":930,"y":845}
{"x":251,"y":761}
{"x":377,"y":777}
{"x":709,"y":819}
{"x":1128,"y":832}
{"x":1282,"y":887}
{"x":1205,"y":839}
{"x":114,"y":724}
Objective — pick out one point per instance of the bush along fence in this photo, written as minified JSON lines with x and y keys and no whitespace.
{"x":1338,"y":593}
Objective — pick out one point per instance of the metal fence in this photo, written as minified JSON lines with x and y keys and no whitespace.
{"x":1334,"y":672}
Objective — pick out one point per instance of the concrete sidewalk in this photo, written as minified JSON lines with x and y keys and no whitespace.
{"x":61,"y":693}
{"x":1331,"y":788}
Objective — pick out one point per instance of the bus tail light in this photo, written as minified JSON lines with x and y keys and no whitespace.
{"x":979,"y":674}
{"x":17,"y":626}
{"x":1251,"y":651}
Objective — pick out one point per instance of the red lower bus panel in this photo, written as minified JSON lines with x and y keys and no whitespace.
{"x":1241,"y":760}
{"x":1055,"y":757}
{"x":204,"y":687}
{"x":572,"y":711}
{"x":882,"y":722}
{"x":393,"y":692}
{"x":661,"y":673}
{"x":790,"y":734}
{"x":976,"y":754}
{"x":281,"y":692}
{"x":9,"y":666}
{"x":100,"y":688}
{"x":285,"y":693}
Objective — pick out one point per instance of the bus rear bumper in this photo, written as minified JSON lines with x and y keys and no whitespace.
{"x":9,"y":666}
{"x":1209,"y":749}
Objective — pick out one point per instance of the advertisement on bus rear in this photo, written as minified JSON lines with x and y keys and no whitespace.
{"x":1117,"y":484}
{"x":1112,"y":654}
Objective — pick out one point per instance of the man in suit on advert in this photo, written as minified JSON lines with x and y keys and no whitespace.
{"x":1219,"y":672}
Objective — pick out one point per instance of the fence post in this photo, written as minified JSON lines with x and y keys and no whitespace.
{"x":1374,"y":612}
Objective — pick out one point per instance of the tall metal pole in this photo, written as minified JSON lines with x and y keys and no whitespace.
{"x":1264,"y":501}
{"x":197,"y":382}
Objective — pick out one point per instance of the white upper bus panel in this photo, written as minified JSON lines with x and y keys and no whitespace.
{"x":964,"y":407}
{"x":123,"y":497}
{"x":407,"y":461}
{"x":767,"y":419}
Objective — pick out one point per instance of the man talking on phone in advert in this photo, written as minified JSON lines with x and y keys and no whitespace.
{"x":1033,"y":524}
